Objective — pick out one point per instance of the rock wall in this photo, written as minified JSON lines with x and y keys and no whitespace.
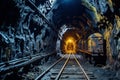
{"x":106,"y":14}
{"x":22,"y":31}
{"x":108,"y":20}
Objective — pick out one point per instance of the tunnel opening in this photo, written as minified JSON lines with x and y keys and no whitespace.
{"x":69,"y":45}
{"x":68,"y":40}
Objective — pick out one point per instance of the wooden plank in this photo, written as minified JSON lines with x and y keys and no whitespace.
{"x":72,"y":73}
{"x":23,"y":64}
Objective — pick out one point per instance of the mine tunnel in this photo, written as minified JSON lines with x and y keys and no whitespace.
{"x":59,"y":39}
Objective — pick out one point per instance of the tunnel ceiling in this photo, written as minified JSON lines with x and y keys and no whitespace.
{"x":83,"y":14}
{"x":88,"y":15}
{"x":72,"y":12}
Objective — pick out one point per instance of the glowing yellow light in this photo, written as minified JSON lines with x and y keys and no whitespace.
{"x":70,"y":45}
{"x":70,"y":40}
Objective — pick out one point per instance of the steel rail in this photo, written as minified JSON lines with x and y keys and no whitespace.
{"x":41,"y":75}
{"x":81,"y":68}
{"x":59,"y":74}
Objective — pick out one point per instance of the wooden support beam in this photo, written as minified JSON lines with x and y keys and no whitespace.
{"x":23,"y":64}
{"x":34,"y":7}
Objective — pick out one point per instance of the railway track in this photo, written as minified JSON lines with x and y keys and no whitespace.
{"x":66,"y":69}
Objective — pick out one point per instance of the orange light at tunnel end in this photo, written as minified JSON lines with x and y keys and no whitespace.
{"x":70,"y":46}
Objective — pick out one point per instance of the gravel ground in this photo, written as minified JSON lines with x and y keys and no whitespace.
{"x":99,"y":72}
